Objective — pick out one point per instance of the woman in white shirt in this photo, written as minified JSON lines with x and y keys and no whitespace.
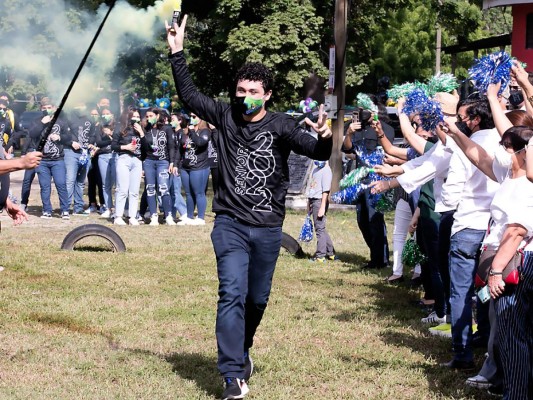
{"x":511,"y":228}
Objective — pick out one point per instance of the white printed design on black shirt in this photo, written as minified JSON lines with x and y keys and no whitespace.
{"x":190,"y":152}
{"x":253,"y":169}
{"x":50,"y":148}
{"x":83,"y":134}
{"x":211,"y":152}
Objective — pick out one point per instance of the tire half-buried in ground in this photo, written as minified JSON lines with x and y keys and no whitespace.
{"x":291,"y":245}
{"x":88,"y":230}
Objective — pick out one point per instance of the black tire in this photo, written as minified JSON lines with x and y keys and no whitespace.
{"x":87,"y":230}
{"x":291,"y":245}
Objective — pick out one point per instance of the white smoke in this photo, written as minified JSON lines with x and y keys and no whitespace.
{"x":39,"y":38}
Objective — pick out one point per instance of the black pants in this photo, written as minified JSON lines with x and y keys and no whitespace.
{"x":372,"y":226}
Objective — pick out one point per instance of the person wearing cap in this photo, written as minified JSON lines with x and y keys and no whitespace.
{"x":53,"y":163}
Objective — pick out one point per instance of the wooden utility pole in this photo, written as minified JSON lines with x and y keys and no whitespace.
{"x":340,"y":28}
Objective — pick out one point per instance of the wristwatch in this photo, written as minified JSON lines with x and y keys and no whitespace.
{"x":492,"y":272}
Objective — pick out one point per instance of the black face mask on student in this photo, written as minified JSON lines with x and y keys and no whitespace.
{"x":516,"y":98}
{"x":463,"y":127}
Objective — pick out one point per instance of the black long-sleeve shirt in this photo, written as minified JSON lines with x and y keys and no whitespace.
{"x":158,"y":144}
{"x":195,"y":147}
{"x":102,"y":140}
{"x":252,"y":156}
{"x":120,"y":139}
{"x":53,"y":149}
{"x":81,"y":128}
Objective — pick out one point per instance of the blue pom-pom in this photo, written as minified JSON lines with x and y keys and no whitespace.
{"x":306,"y":233}
{"x":429,"y":110}
{"x":492,"y":68}
{"x":348,"y":195}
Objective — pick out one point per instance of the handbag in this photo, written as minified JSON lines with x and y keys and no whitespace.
{"x":306,"y":233}
{"x":510,"y":274}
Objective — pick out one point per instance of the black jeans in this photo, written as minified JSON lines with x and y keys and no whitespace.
{"x":372,"y":226}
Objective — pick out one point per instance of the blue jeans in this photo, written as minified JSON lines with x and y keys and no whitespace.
{"x":47,"y":170}
{"x":108,"y":174}
{"x":178,"y":203}
{"x":194,"y":182}
{"x":464,"y":257}
{"x":157,"y":179}
{"x":76,"y":175}
{"x":129,"y":171}
{"x":29,"y":175}
{"x":246,"y":259}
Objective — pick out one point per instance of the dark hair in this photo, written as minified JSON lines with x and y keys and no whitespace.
{"x":125,"y":119}
{"x":478,"y":107}
{"x":256,"y":72}
{"x":2,"y":94}
{"x":517,"y":136}
{"x":520,"y":118}
{"x":183,"y":118}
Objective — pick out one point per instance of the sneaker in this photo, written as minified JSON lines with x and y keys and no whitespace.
{"x":86,"y":211}
{"x":169,"y":220}
{"x":318,"y":259}
{"x":134,"y":222}
{"x":93,"y":208}
{"x":82,"y":213}
{"x":105,"y":214}
{"x":23,"y":207}
{"x":197,"y":221}
{"x":444,"y":330}
{"x":433,"y":318}
{"x":102,"y":210}
{"x":119,"y":221}
{"x":478,"y":382}
{"x":46,"y":215}
{"x":154,"y":220}
{"x":234,"y":388}
{"x":394,"y":279}
{"x":185,"y":221}
{"x":65,"y":215}
{"x":248,"y":367}
{"x":139,"y":219}
{"x":332,"y":258}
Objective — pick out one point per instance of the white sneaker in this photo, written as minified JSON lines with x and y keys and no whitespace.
{"x":197,"y":221}
{"x":134,"y":222}
{"x":479,"y":382}
{"x":433,"y":319}
{"x":119,"y":221}
{"x":106,"y":214}
{"x":185,"y":221}
{"x":154,"y":220}
{"x":169,"y":220}
{"x":23,"y":207}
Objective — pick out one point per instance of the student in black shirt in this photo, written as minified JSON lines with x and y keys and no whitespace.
{"x":253,"y":147}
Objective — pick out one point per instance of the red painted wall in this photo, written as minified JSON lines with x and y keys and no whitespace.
{"x":518,"y":41}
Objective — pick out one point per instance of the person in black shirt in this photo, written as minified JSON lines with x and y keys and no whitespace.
{"x":195,"y":169}
{"x":158,"y":146}
{"x":107,"y":160}
{"x":180,"y":125}
{"x":253,"y":148}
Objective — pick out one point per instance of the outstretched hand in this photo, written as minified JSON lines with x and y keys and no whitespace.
{"x":321,"y":127}
{"x":15,"y":213}
{"x":176,"y":35}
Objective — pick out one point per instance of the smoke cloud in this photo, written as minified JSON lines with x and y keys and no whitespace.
{"x":39,"y":38}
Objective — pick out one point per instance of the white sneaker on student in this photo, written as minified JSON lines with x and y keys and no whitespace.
{"x":184,"y":221}
{"x":119,"y":221}
{"x":169,"y":220}
{"x":154,"y":220}
{"x":197,"y":221}
{"x":106,"y":214}
{"x":134,"y":222}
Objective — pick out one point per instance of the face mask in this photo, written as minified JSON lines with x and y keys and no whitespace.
{"x":463,"y":127}
{"x":174,"y":124}
{"x":135,"y":120}
{"x":194,"y":121}
{"x":152,"y":121}
{"x":320,"y":164}
{"x":503,"y":157}
{"x":95,"y":118}
{"x":107,"y":117}
{"x":516,"y":98}
{"x":47,"y":112}
{"x":248,"y":105}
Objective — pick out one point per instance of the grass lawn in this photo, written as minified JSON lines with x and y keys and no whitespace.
{"x":90,"y":324}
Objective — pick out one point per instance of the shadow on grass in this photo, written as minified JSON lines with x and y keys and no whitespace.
{"x":355,"y":261}
{"x":198,"y":368}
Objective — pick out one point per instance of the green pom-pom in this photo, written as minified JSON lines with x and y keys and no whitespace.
{"x":366,"y":103}
{"x":441,"y":83}
{"x":354,"y":177}
{"x":411,"y":254}
{"x":403,"y":90}
{"x":386,"y":202}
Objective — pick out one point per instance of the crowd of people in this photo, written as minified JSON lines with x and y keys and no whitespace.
{"x":90,"y":146}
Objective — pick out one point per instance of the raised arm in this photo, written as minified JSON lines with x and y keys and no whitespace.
{"x":501,"y":121}
{"x":473,"y":151}
{"x":521,"y":76}
{"x":384,"y":141}
{"x":409,"y":133}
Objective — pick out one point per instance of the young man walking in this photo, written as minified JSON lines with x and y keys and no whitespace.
{"x":253,"y":146}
